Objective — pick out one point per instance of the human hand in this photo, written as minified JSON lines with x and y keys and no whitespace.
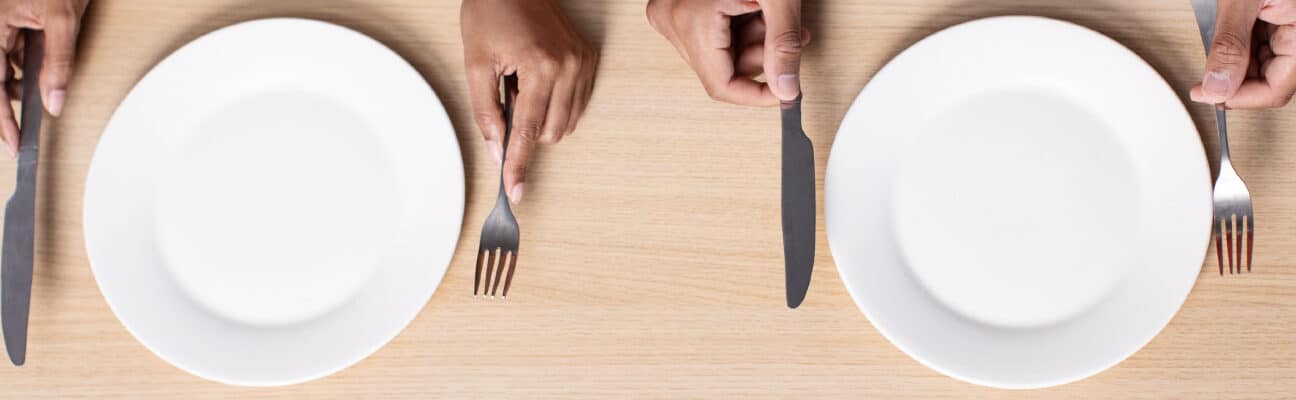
{"x":1252,"y":60}
{"x":555,"y":68}
{"x":61,"y":21}
{"x":728,"y":44}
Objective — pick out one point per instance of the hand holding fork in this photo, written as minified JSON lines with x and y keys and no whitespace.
{"x":1232,"y":200}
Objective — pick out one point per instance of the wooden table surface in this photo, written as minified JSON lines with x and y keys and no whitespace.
{"x":654,"y":251}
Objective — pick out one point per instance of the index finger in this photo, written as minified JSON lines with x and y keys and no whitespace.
{"x":716,"y":71}
{"x":714,"y":65}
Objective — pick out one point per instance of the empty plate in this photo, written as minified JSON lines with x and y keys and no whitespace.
{"x":1018,"y":202}
{"x":274,"y":202}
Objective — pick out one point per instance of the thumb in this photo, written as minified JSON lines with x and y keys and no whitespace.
{"x":1230,"y":50}
{"x":60,"y":49}
{"x":783,"y":43}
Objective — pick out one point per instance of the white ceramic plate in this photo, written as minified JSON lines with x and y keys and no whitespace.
{"x":274,"y":202}
{"x":1018,"y":202}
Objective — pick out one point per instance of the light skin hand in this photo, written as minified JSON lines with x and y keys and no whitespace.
{"x":729,"y":43}
{"x":555,"y":67}
{"x":61,"y":21}
{"x":1252,"y":61}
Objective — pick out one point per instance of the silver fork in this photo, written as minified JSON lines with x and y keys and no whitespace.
{"x":499,"y":234}
{"x":1232,"y":200}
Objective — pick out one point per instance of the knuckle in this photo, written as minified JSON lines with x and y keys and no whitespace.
{"x":571,"y":60}
{"x":551,"y":137}
{"x":517,"y":169}
{"x":484,"y":120}
{"x":548,"y":65}
{"x":788,"y":43}
{"x":529,"y":130}
{"x":1229,"y":48}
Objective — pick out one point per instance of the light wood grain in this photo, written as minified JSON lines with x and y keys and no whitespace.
{"x":653,"y":262}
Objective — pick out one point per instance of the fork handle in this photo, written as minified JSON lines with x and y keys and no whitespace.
{"x":509,"y":95}
{"x":1222,"y":127}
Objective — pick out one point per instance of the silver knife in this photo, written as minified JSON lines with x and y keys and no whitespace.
{"x":798,"y":204}
{"x":20,"y":213}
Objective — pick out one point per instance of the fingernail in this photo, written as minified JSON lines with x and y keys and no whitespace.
{"x":516,"y":195}
{"x":495,"y":151}
{"x":789,"y":85}
{"x":56,"y":101}
{"x":1215,"y":86}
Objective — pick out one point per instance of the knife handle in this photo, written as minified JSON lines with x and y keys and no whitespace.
{"x":32,"y":107}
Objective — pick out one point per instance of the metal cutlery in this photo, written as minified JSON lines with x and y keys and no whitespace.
{"x":798,"y":204}
{"x":20,"y":212}
{"x":499,"y":234}
{"x":1232,"y":200}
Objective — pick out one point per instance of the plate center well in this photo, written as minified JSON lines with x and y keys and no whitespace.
{"x":276,"y":208}
{"x":1004,"y":208}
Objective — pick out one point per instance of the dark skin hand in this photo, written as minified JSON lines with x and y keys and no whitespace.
{"x":729,"y":43}
{"x":61,"y":21}
{"x":555,"y":67}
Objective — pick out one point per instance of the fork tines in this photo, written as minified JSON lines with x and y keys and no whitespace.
{"x":497,"y":269}
{"x":1228,"y":231}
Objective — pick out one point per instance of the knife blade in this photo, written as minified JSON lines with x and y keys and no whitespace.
{"x":18,"y":246}
{"x":1204,"y":10}
{"x":798,"y":204}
